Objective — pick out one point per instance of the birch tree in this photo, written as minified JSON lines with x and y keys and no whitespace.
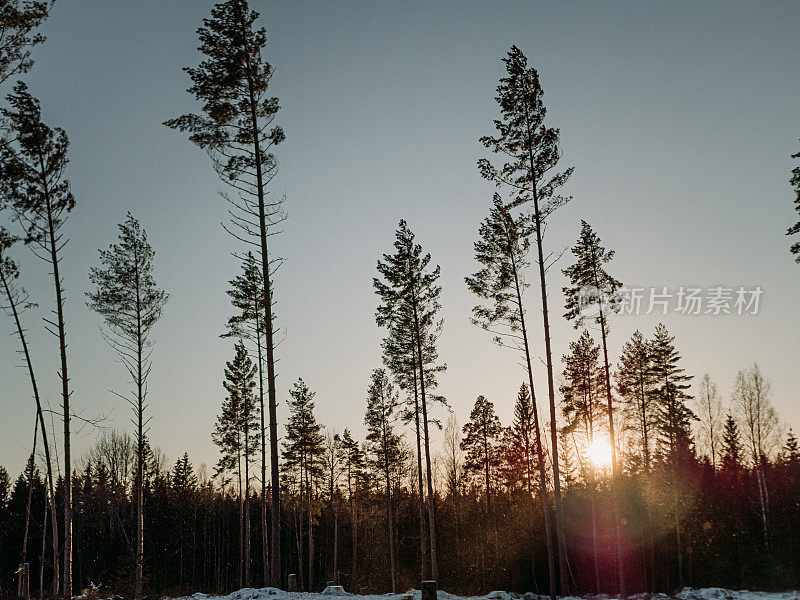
{"x":709,"y":414}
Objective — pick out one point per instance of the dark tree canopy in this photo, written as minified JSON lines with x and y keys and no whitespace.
{"x":18,"y":20}
{"x":795,"y":229}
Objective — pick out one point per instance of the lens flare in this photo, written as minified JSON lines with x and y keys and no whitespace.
{"x":600,"y":453}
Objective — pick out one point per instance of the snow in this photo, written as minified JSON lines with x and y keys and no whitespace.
{"x":270,"y":593}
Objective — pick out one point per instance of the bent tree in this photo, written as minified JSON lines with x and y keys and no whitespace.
{"x":33,"y":185}
{"x":15,"y":303}
{"x":500,"y":284}
{"x":129,"y":300}
{"x":532,"y":152}
{"x":236,"y":129}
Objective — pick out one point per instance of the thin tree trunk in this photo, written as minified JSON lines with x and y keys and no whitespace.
{"x":40,"y":413}
{"x":389,"y":507}
{"x":31,"y":470}
{"x":429,"y":476}
{"x":616,"y":474}
{"x":44,"y":547}
{"x":247,"y":506}
{"x":423,"y":549}
{"x":65,"y":395}
{"x":264,"y":537}
{"x":310,"y":487}
{"x":560,"y":541}
{"x":275,"y":550}
{"x":140,"y":375}
{"x":539,"y":451}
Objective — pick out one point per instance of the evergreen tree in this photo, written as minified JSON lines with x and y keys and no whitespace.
{"x":247,"y":295}
{"x":635,"y":384}
{"x":480,"y":444}
{"x":354,"y":465}
{"x":592,"y":291}
{"x":18,"y":20}
{"x":731,"y":445}
{"x":183,"y":478}
{"x":303,"y":450}
{"x":790,"y":453}
{"x":673,"y":422}
{"x":409,"y":307}
{"x":673,"y":416}
{"x":532,"y":151}
{"x":130,"y":302}
{"x":500,"y":284}
{"x":32,"y":183}
{"x":236,"y":434}
{"x":521,"y":431}
{"x":384,"y":446}
{"x":795,"y":229}
{"x":583,"y":409}
{"x":237,"y":131}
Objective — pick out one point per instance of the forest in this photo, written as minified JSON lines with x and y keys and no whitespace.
{"x":618,"y":474}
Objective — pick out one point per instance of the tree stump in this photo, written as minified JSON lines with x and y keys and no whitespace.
{"x":292,"y":587}
{"x":429,"y":590}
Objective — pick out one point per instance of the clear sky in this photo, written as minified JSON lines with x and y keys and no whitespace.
{"x":680,"y":119}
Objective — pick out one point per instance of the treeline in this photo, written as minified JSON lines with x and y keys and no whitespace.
{"x":614,"y":478}
{"x":488,"y":541}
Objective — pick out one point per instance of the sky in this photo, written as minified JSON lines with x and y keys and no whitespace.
{"x":679,"y":118}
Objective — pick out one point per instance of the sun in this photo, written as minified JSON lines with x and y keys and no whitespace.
{"x":600,"y":453}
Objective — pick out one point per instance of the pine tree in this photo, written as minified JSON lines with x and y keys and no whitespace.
{"x":237,"y":131}
{"x":521,"y":431}
{"x":409,"y":307}
{"x":18,"y":20}
{"x":583,"y":409}
{"x":303,"y":450}
{"x":635,"y":380}
{"x":790,"y":453}
{"x":16,"y":300}
{"x":673,"y":416}
{"x":384,"y":446}
{"x":588,"y":274}
{"x":236,"y":434}
{"x":673,"y":421}
{"x":795,"y":229}
{"x":32,"y":183}
{"x":500,"y":284}
{"x":532,"y":151}
{"x":247,"y":295}
{"x":731,"y":445}
{"x":130,"y":302}
{"x":353,"y":464}
{"x":480,"y":444}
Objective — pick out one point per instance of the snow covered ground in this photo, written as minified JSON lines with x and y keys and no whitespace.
{"x":686,"y":594}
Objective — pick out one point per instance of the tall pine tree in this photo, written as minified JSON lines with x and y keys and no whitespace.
{"x":532,"y":151}
{"x":237,"y":131}
{"x":129,"y":300}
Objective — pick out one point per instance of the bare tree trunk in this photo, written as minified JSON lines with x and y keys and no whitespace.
{"x":40,"y":413}
{"x":275,"y":550}
{"x":264,"y":537}
{"x":560,"y":541}
{"x":310,"y":530}
{"x":539,"y":450}
{"x":423,"y":549}
{"x":429,"y":475}
{"x":65,"y":394}
{"x":31,"y":469}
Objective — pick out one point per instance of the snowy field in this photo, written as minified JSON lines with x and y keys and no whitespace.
{"x":686,"y":594}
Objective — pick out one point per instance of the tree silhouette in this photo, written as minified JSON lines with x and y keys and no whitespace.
{"x":795,"y":229}
{"x":237,"y":131}
{"x":127,"y":297}
{"x":409,"y":296}
{"x":33,"y":185}
{"x":532,"y":151}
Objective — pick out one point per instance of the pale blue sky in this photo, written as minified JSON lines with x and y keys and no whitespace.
{"x":679,"y":118}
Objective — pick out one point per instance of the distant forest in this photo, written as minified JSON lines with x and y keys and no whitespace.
{"x":617,"y":474}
